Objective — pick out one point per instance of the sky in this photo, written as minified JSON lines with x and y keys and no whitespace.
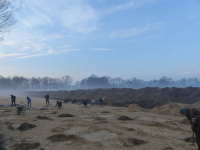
{"x":146,"y":39}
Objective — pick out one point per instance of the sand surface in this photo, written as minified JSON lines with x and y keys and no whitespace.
{"x":94,"y":128}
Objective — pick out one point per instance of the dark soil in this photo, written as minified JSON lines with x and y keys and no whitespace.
{"x":26,"y":126}
{"x":99,"y":118}
{"x":130,"y":142}
{"x":190,"y":140}
{"x":62,"y":138}
{"x":66,"y":115}
{"x":44,"y":118}
{"x":124,"y":118}
{"x":9,"y":125}
{"x":44,"y":109}
{"x":26,"y":146}
{"x":105,"y":112}
{"x":2,"y":142}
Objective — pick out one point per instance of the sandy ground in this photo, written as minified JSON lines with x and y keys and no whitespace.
{"x":94,"y":128}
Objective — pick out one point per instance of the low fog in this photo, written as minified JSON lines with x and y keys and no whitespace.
{"x":10,"y":85}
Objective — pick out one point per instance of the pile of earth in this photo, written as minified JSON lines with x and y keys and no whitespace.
{"x":167,"y":109}
{"x":134,"y":107}
{"x":26,"y":146}
{"x":145,"y":97}
{"x":26,"y":126}
{"x":173,"y":109}
{"x":62,"y":138}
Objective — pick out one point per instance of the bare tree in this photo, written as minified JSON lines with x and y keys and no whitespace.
{"x":6,"y":16}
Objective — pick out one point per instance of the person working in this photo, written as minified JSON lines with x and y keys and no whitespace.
{"x":193,"y":115}
{"x":13,"y":98}
{"x":59,"y":104}
{"x":47,"y":99}
{"x":28,"y":101}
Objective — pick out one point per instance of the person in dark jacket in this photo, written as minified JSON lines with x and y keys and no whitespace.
{"x":59,"y":104}
{"x":13,"y":99}
{"x":47,"y":99}
{"x":193,"y":115}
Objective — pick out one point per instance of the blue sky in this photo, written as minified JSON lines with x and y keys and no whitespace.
{"x":146,"y":39}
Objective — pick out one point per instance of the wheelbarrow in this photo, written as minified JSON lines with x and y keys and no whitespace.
{"x":21,"y":109}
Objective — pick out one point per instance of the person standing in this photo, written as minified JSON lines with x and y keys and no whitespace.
{"x":29,"y":101}
{"x":100,"y":100}
{"x":47,"y":99}
{"x":193,"y":115}
{"x":13,"y":98}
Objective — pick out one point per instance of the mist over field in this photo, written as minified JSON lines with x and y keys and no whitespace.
{"x":19,"y":83}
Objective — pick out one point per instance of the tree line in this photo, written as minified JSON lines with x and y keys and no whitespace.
{"x":20,"y":83}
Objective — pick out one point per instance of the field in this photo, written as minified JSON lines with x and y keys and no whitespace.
{"x":94,"y":127}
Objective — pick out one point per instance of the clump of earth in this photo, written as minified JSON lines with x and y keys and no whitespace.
{"x":26,"y":126}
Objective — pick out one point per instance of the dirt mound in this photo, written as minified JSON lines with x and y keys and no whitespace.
{"x":44,"y":118}
{"x":145,"y":97}
{"x":130,"y":142}
{"x":26,"y":126}
{"x":62,"y":138}
{"x":167,"y":109}
{"x":105,"y":112}
{"x":134,"y":107}
{"x":124,"y":118}
{"x":58,"y":130}
{"x":26,"y":146}
{"x":65,"y":115}
{"x":185,"y":121}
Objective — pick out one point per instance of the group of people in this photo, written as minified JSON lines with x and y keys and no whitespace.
{"x":59,"y":104}
{"x":93,"y":102}
{"x":13,"y":100}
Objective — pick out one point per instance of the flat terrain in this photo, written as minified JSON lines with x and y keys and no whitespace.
{"x":94,"y":127}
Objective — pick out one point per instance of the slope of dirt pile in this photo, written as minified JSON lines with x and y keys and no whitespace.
{"x":167,"y":109}
{"x":62,"y":138}
{"x":26,"y":126}
{"x":26,"y":146}
{"x":145,"y":97}
{"x":134,"y":107}
{"x":185,"y":121}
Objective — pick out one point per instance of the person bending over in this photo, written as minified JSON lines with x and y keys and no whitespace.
{"x":193,"y":115}
{"x":59,"y":104}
